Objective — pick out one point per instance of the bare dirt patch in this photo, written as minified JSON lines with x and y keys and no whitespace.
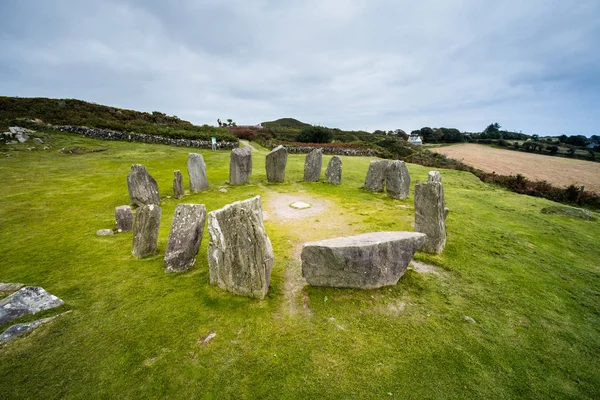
{"x":278,"y":206}
{"x":557,"y":170}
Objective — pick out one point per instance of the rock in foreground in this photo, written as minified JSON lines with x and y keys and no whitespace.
{"x":28,"y":300}
{"x":275,"y":164}
{"x":366,"y":261}
{"x":178,"y":191}
{"x":240,"y":166}
{"x":375,"y":179}
{"x":20,"y":329}
{"x":186,"y":234}
{"x":240,"y":255}
{"x":145,"y":231}
{"x":143,"y":189}
{"x":570,"y":212}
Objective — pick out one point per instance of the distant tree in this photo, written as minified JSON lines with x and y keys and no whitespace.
{"x":229,"y":121}
{"x":571,"y":150}
{"x":552,"y":149}
{"x":492,"y":132}
{"x":577,"y":140}
{"x":314,"y":134}
{"x":595,"y":139}
{"x":379,"y":132}
{"x":401,"y":133}
{"x":535,"y":137}
{"x":563,"y":138}
{"x":219,"y":122}
{"x":495,"y":127}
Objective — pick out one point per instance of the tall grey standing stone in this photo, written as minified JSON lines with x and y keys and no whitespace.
{"x":27,"y":300}
{"x":124,"y":218}
{"x":185,"y":237}
{"x":333,"y":173}
{"x":434,"y":176}
{"x":375,"y":179}
{"x":275,"y":164}
{"x":240,"y":166}
{"x":178,"y":191}
{"x":145,"y":230}
{"x":312,"y":165}
{"x":366,"y":261}
{"x":197,"y":172}
{"x":240,"y":255}
{"x":430,"y":215}
{"x":397,"y":180}
{"x":143,"y":189}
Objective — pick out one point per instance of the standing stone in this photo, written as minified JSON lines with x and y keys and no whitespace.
{"x":275,"y":164}
{"x":366,"y":261}
{"x":240,"y":255}
{"x":145,"y":230}
{"x":197,"y":172}
{"x":434,"y":176}
{"x":312,"y":165}
{"x":333,"y":173}
{"x":186,"y":234}
{"x":397,"y":180}
{"x":240,"y":166}
{"x":375,"y":179}
{"x":178,"y":191}
{"x":430,"y":215}
{"x":123,"y":218}
{"x":142,"y":187}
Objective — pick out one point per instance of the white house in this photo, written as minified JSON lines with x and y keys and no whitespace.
{"x":415,"y":139}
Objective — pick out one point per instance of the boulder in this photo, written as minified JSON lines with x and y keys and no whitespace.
{"x":145,"y":230}
{"x":375,"y":179}
{"x":197,"y":172}
{"x":333,"y":173}
{"x":27,"y":300}
{"x":186,"y":234}
{"x":143,"y":189}
{"x":21,"y":329}
{"x":397,"y":180}
{"x":178,"y":191}
{"x":312,"y":165}
{"x":430,"y":215}
{"x":22,"y":137}
{"x":240,"y":166}
{"x":434,"y":176}
{"x":38,"y":141}
{"x":240,"y":255}
{"x":275,"y":164}
{"x":366,"y":261}
{"x":10,"y":287}
{"x":104,"y":232}
{"x":123,"y":219}
{"x":570,"y":212}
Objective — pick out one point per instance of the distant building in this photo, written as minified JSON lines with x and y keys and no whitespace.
{"x":257,"y":126}
{"x":415,"y":139}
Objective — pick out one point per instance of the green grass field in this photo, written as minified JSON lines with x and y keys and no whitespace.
{"x":530,"y":281}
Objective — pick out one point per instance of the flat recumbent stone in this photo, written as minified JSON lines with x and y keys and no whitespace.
{"x":366,"y":261}
{"x":300,"y":205}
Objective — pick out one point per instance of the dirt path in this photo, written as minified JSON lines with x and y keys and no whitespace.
{"x":246,"y":143}
{"x":559,"y":171}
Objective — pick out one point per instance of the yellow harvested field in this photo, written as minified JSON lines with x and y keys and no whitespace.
{"x":557,"y":170}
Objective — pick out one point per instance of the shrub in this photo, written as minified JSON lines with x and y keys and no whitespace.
{"x":314,"y":134}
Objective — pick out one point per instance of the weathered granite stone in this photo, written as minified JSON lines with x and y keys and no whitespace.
{"x":197,"y":172}
{"x":312,"y":165}
{"x":142,"y":187}
{"x":104,"y":232}
{"x":186,"y":234}
{"x":178,"y":191}
{"x":27,"y":300}
{"x":571,"y":212}
{"x":430,"y":215}
{"x":240,"y":166}
{"x":123,"y":218}
{"x":397,"y":180}
{"x":145,"y":230}
{"x":21,"y":329}
{"x":38,"y":141}
{"x":240,"y":255}
{"x":10,"y":287}
{"x":333,"y":173}
{"x":366,"y":261}
{"x":22,"y":137}
{"x":375,"y":179}
{"x":434,"y":176}
{"x":275,"y":164}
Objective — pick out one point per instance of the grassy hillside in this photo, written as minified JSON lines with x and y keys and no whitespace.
{"x":531,"y":283}
{"x":285,"y":123}
{"x":14,"y":110}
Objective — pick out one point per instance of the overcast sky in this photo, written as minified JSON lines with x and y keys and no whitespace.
{"x":531,"y":65}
